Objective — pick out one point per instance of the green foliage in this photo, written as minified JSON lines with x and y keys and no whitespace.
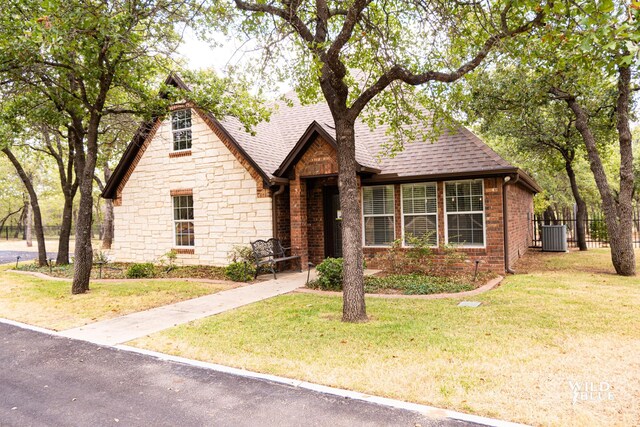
{"x":100,"y":257}
{"x":240,"y":271}
{"x":241,"y":253}
{"x":407,"y":284}
{"x":140,"y":270}
{"x":168,"y":259}
{"x":416,"y":284}
{"x":330,"y":274}
{"x":598,"y":229}
{"x":419,"y":256}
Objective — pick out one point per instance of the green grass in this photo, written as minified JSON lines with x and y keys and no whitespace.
{"x":513,"y":357}
{"x":50,"y":304}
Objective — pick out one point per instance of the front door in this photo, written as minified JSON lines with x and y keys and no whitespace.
{"x":332,"y":223}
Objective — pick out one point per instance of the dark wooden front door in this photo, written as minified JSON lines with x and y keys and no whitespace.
{"x":332,"y":223}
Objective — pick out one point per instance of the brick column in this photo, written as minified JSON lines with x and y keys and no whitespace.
{"x":298,"y":208}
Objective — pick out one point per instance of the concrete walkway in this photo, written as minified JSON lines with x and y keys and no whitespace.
{"x":136,"y":325}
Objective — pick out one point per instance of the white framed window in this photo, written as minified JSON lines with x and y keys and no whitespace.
{"x":378,"y":215}
{"x":183,"y":221}
{"x":181,"y":129}
{"x":420,"y":211}
{"x":464,"y":208}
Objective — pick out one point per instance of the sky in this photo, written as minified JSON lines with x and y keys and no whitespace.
{"x":200,"y":54}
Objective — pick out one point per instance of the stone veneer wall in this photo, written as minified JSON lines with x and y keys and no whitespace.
{"x":520,"y":213}
{"x":230,"y":206}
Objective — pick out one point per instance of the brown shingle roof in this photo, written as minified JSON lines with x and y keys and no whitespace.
{"x":454,"y":151}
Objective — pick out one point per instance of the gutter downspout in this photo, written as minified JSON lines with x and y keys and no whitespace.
{"x":505,"y":221}
{"x":274,"y":210}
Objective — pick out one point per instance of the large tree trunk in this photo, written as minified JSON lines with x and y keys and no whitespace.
{"x":353,"y":308}
{"x":581,"y":208}
{"x":37,"y":216}
{"x":107,"y":222}
{"x":617,"y":213}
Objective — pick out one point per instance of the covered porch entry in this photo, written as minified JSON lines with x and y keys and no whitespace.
{"x":314,"y":204}
{"x":316,"y":223}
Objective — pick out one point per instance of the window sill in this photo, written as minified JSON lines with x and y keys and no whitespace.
{"x":184,"y":251}
{"x":181,"y":153}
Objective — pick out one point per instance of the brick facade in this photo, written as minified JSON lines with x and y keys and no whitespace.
{"x":319,"y":159}
{"x":520,"y":213}
{"x":491,"y":256}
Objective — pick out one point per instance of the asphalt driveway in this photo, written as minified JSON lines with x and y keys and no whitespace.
{"x":8,"y":257}
{"x":55,"y":381}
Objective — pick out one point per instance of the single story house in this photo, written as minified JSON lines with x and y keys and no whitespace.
{"x":202,"y":185}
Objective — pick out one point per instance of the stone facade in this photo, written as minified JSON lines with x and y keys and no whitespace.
{"x":231,"y":206}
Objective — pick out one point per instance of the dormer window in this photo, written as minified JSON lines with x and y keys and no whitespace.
{"x":181,"y":128}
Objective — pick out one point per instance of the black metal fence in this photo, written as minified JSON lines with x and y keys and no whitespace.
{"x":595,"y":230}
{"x":12,"y":232}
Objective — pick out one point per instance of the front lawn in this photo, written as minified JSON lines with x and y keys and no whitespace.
{"x":567,"y":322}
{"x":50,"y":304}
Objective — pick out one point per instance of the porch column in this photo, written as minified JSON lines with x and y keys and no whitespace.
{"x":298,"y":212}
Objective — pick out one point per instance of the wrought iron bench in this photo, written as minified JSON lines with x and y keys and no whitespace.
{"x":270,"y":252}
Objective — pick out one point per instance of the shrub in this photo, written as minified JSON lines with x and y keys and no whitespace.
{"x":598,"y":229}
{"x":330,"y":274}
{"x":241,"y":254}
{"x":239,"y":272}
{"x":100,"y":257}
{"x":168,"y":260}
{"x":140,"y":270}
{"x":419,"y":257}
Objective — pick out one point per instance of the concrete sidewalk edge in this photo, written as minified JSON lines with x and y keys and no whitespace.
{"x":398,"y":404}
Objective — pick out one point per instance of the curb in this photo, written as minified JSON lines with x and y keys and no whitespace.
{"x":347,"y":394}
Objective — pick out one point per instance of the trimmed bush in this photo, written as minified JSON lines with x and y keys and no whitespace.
{"x":240,"y":272}
{"x":330,"y":274}
{"x":140,"y":271}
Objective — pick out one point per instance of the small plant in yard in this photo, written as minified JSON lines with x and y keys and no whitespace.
{"x":330,"y":274}
{"x":168,"y":260}
{"x":240,"y":271}
{"x":100,"y":257}
{"x":140,"y":270}
{"x":419,"y":256}
{"x":240,"y":254}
